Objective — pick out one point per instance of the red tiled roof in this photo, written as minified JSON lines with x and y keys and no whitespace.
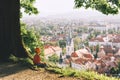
{"x":97,"y":39}
{"x":74,"y":54}
{"x":80,"y":61}
{"x":51,"y":49}
{"x":109,"y":54}
{"x":56,"y":48}
{"x":61,"y":35}
{"x":106,"y":58}
{"x":109,"y":49}
{"x":46,"y":46}
{"x":87,"y":55}
{"x":66,"y":61}
{"x":117,"y":40}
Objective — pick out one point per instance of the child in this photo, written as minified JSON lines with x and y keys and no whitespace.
{"x":37,"y":59}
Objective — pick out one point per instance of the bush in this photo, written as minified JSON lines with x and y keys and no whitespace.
{"x":30,"y":39}
{"x":54,"y":58}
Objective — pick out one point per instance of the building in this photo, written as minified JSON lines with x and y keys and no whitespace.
{"x":98,"y":27}
{"x":103,"y":27}
{"x":109,"y":39}
{"x":50,"y":50}
{"x":83,"y":54}
{"x":69,"y":44}
{"x":101,"y":53}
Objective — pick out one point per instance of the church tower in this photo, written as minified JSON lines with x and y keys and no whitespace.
{"x":69,"y":43}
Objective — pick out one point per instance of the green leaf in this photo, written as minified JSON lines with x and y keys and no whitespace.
{"x":104,"y":6}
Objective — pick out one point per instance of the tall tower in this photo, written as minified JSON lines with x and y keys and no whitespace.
{"x":69,"y":43}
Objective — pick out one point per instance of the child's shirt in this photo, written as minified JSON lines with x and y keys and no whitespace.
{"x":36,"y":59}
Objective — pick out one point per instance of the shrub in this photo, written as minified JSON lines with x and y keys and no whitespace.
{"x":31,"y":39}
{"x":54,"y":58}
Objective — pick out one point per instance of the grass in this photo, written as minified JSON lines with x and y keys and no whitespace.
{"x":85,"y":75}
{"x":69,"y":72}
{"x":24,"y":61}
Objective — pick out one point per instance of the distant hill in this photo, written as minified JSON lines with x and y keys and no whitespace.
{"x":72,"y":16}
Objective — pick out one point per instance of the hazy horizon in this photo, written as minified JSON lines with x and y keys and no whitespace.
{"x":56,"y":8}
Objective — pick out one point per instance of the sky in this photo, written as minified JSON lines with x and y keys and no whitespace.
{"x":57,"y":7}
{"x":54,"y":7}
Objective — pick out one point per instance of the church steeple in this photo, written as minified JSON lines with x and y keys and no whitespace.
{"x":69,"y":43}
{"x":70,"y":33}
{"x":69,"y":37}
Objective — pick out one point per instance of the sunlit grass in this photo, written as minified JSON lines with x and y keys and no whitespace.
{"x":86,"y":75}
{"x":69,"y":72}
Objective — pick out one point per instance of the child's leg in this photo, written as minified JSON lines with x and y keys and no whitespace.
{"x":41,"y":65}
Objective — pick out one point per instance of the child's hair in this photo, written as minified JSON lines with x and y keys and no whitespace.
{"x":37,"y":50}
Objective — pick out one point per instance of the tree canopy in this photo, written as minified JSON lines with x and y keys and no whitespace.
{"x":104,"y":6}
{"x":28,"y":7}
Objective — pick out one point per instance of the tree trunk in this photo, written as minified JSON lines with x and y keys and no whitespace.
{"x":10,"y":38}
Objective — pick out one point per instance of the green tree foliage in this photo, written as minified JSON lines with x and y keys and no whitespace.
{"x":28,"y":7}
{"x":91,"y":35}
{"x":51,"y":43}
{"x":30,"y":38}
{"x":115,"y":70}
{"x":104,"y":6}
{"x":97,"y":48}
{"x":77,"y":42}
{"x":63,"y":51}
{"x":62,"y":43}
{"x":54,"y":58}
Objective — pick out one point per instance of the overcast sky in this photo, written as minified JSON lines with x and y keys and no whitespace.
{"x":55,"y":7}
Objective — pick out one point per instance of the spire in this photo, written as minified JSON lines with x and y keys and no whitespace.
{"x":69,"y":38}
{"x":69,"y":43}
{"x":70,"y":33}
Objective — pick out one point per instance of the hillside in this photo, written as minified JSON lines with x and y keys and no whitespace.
{"x":14,"y":71}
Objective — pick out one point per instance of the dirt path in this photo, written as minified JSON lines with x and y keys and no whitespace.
{"x":12,"y":71}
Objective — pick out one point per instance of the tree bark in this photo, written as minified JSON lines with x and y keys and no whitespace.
{"x":10,"y":38}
